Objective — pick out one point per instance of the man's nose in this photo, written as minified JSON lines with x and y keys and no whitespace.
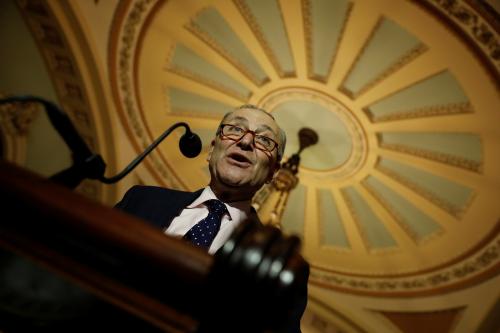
{"x":246,"y":140}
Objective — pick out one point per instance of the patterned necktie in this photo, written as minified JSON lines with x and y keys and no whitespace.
{"x":203,"y":233}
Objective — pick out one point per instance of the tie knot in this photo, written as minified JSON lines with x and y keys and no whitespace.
{"x":215,"y":207}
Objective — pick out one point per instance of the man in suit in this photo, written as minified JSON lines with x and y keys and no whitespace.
{"x":244,"y":154}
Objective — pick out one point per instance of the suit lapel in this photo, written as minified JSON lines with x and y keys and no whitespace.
{"x":177,"y":201}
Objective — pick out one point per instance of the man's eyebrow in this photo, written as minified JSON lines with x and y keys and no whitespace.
{"x":239,"y":118}
{"x":267,"y":128}
{"x":259,"y":129}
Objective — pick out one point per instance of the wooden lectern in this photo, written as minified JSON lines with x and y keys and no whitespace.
{"x":169,"y":284}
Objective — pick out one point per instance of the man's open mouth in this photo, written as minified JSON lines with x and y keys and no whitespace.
{"x":239,"y":159}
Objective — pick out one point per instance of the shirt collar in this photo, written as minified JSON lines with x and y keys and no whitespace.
{"x":238,"y":210}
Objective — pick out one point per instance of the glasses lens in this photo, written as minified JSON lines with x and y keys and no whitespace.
{"x":236,"y":133}
{"x":232,"y":131}
{"x":264,"y":142}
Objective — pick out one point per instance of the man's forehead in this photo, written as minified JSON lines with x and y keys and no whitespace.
{"x":257,"y":117}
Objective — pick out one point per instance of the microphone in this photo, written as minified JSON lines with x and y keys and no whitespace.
{"x":87,"y":164}
{"x":190,"y":144}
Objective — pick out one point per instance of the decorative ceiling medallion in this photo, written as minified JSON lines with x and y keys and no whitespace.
{"x":351,"y":135}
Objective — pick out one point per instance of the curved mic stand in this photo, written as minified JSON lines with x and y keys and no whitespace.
{"x":87,"y":164}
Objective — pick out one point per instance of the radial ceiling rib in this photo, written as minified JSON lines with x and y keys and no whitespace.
{"x":375,"y":61}
{"x":196,"y":87}
{"x":185,"y":62}
{"x":292,"y":17}
{"x":437,"y":94}
{"x":459,"y":175}
{"x":444,"y":219}
{"x":355,"y":240}
{"x":376,"y":237}
{"x":211,"y":55}
{"x":324,"y":23}
{"x":403,"y":241}
{"x":265,"y":18}
{"x":464,"y":123}
{"x":461,"y":149}
{"x":331,"y":231}
{"x":416,"y":225}
{"x":362,"y":21}
{"x":212,"y":27}
{"x":244,"y":33}
{"x":450,"y":196}
{"x":421,"y":68}
{"x":184,"y":103}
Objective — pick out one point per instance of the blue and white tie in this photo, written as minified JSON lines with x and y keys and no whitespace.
{"x":203,"y":233}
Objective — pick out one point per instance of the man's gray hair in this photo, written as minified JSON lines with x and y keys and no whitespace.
{"x":281,"y":133}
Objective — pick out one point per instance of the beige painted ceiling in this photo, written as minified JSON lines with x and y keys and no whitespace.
{"x":397,"y":204}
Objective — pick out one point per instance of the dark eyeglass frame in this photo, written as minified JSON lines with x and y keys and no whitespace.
{"x":244,"y":132}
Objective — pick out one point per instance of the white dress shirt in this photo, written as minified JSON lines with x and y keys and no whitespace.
{"x":196,"y":211}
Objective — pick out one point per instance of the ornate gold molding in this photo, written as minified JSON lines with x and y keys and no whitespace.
{"x":255,"y":27}
{"x":435,"y":156}
{"x":431,"y":111}
{"x":15,"y":119}
{"x":473,"y":26}
{"x":481,"y":265}
{"x":126,"y":44}
{"x":63,"y":70}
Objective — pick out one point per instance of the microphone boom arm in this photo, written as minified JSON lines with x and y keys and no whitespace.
{"x":87,"y":164}
{"x":140,"y":157}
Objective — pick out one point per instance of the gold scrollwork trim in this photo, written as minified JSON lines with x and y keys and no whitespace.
{"x":473,"y":25}
{"x":63,"y":70}
{"x":436,"y":156}
{"x":16,"y":118}
{"x":307,"y":22}
{"x":431,"y":111}
{"x":195,"y":29}
{"x":255,"y":27}
{"x":127,"y":48}
{"x":482,"y":261}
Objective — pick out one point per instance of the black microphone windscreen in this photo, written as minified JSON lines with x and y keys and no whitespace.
{"x":190,"y":144}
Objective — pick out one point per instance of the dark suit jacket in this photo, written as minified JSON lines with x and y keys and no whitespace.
{"x":159,"y":206}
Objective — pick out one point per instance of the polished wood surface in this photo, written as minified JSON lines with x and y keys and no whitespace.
{"x":173,"y":285}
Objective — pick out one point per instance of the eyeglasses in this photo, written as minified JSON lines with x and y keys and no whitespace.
{"x":235,"y":133}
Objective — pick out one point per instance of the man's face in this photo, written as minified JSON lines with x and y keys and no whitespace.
{"x":238,"y":164}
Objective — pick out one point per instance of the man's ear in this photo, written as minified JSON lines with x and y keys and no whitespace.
{"x":212,"y":145}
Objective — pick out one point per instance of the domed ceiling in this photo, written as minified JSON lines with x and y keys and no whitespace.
{"x":407,"y":142}
{"x":399,"y":196}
